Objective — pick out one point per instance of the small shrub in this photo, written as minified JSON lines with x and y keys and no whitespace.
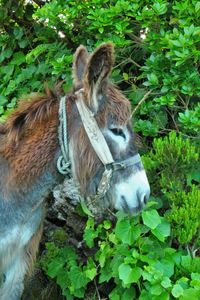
{"x":184,"y":216}
{"x":170,"y":162}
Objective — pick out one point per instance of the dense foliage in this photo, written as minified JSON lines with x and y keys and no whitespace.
{"x":157,"y":66}
{"x":133,"y":258}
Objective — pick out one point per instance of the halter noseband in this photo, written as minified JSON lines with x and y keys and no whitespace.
{"x":97,"y":141}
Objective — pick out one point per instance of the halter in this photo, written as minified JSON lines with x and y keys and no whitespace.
{"x":97,"y":141}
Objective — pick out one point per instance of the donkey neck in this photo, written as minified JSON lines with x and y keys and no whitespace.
{"x":29,"y":170}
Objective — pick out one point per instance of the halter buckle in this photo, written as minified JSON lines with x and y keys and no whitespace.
{"x":122,"y":165}
{"x":104,"y":184}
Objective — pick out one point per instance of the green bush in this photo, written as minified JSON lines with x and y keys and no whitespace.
{"x":125,"y":263}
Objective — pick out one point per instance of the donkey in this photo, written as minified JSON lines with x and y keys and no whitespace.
{"x":30,"y":148}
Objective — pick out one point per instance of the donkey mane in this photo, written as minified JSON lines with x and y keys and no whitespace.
{"x":32,"y":110}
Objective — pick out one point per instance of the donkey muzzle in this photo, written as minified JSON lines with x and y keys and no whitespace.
{"x":133,"y":193}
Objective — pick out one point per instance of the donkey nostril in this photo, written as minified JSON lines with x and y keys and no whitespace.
{"x":142,"y":199}
{"x":124,"y":204}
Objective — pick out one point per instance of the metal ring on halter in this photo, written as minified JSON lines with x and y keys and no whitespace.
{"x":123,"y":164}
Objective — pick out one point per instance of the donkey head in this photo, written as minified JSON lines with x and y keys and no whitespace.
{"x":129,"y":189}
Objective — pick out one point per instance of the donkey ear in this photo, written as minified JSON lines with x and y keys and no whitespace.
{"x":98,"y":68}
{"x":80,"y":60}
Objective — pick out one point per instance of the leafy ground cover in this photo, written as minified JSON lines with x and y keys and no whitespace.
{"x":156,"y":255}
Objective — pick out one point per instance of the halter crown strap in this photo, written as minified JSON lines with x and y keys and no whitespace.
{"x":93,"y":132}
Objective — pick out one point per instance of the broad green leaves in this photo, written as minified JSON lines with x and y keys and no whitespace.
{"x":177,"y":291}
{"x":162,"y":230}
{"x":144,"y":263}
{"x":129,"y":274}
{"x":158,"y":225}
{"x":124,"y":231}
{"x":151,"y":218}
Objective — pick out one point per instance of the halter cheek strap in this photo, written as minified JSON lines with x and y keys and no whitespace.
{"x":94,"y":134}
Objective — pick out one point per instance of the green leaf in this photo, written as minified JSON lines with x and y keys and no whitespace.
{"x":91,"y":273}
{"x":124,"y":231}
{"x":1,"y":110}
{"x":107,"y":224}
{"x":153,"y":79}
{"x":197,"y":6}
{"x":23,"y":43}
{"x":86,"y":210}
{"x":77,"y":277}
{"x":190,"y":294}
{"x":165,"y":266}
{"x":129,"y":294}
{"x":105,"y":273}
{"x":193,"y":175}
{"x":115,"y":263}
{"x":177,"y":290}
{"x":68,"y":295}
{"x":128,"y":274}
{"x":126,"y":77}
{"x":18,"y":58}
{"x":162,"y":230}
{"x":90,"y":234}
{"x":79,"y":293}
{"x":160,"y":8}
{"x":115,"y":294}
{"x":18,"y":32}
{"x":54,"y":267}
{"x":163,"y":296}
{"x":144,"y":295}
{"x":7,"y":53}
{"x":166,"y":282}
{"x":195,"y":276}
{"x":151,"y":218}
{"x":63,"y":278}
{"x":34,"y":53}
{"x":186,"y":262}
{"x":156,"y":289}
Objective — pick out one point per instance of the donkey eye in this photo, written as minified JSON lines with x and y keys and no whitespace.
{"x":118,"y":132}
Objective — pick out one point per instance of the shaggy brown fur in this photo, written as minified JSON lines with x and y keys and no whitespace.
{"x":31,"y":248}
{"x":23,"y":148}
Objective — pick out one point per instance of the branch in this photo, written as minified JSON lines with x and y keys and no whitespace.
{"x":140,"y":103}
{"x":135,"y":38}
{"x":134,"y":62}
